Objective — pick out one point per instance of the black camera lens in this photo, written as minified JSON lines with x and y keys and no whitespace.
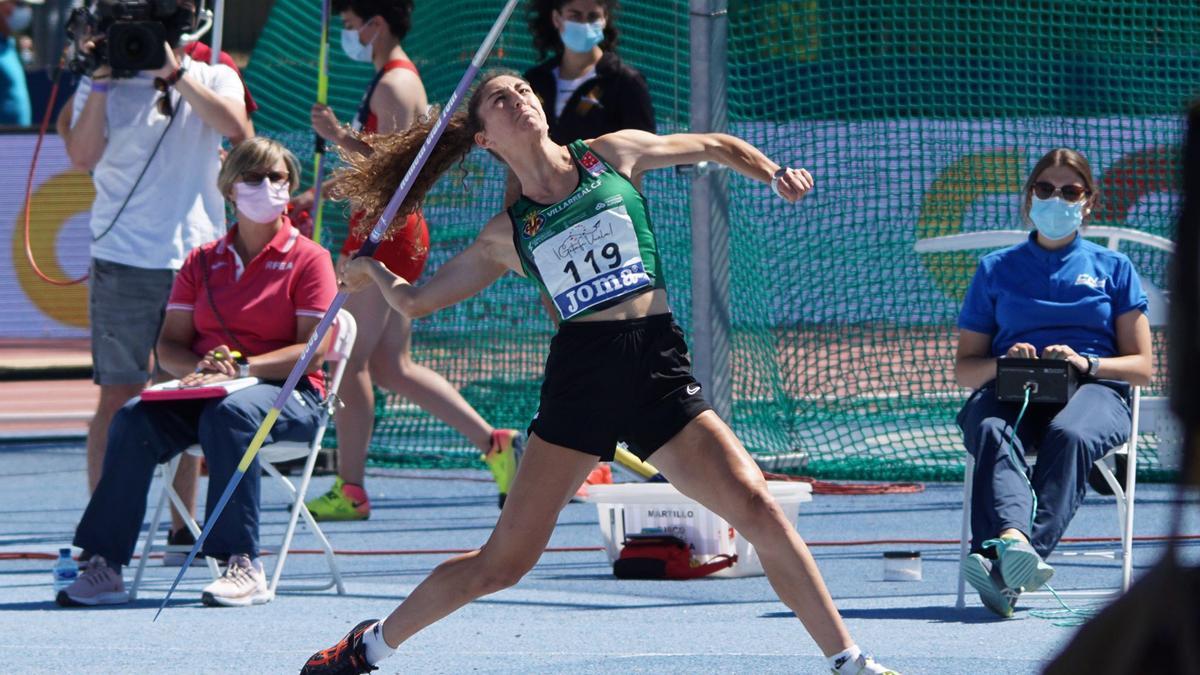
{"x":137,"y":45}
{"x":134,"y":48}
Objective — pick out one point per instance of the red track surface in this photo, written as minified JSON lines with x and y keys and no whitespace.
{"x":47,"y":406}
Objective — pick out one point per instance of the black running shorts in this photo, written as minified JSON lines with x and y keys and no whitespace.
{"x":617,"y":380}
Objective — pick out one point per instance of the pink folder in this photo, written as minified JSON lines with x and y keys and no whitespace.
{"x":171,"y":391}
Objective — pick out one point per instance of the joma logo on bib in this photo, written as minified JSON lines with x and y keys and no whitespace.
{"x":601,"y":289}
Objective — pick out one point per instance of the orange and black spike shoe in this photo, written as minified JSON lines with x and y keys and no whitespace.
{"x":347,"y":657}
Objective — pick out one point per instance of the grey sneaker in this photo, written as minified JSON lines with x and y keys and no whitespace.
{"x":985,"y":578}
{"x":243,"y":584}
{"x":1020,"y":565}
{"x":98,"y":584}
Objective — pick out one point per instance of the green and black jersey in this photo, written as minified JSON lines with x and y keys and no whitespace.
{"x":594,"y":249}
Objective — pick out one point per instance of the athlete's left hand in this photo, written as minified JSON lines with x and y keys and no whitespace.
{"x":1065,"y":353}
{"x":794,"y":184}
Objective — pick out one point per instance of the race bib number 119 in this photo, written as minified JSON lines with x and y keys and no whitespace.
{"x":592,"y":262}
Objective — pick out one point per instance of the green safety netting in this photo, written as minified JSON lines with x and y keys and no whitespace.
{"x":918,"y":120}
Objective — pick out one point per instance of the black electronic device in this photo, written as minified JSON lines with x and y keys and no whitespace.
{"x":1049,"y":380}
{"x":129,"y":35}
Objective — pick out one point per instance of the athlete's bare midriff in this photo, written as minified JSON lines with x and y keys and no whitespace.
{"x":644,"y":304}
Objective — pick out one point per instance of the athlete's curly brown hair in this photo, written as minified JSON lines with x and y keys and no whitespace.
{"x":368,"y":182}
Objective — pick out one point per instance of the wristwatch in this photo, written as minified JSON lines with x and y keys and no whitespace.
{"x":243,"y":365}
{"x":174,"y":77}
{"x":1093,"y":365}
{"x":775,"y":177}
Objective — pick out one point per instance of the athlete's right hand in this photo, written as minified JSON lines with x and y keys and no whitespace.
{"x":358,"y":273}
{"x":793,"y":184}
{"x":1022,"y":350}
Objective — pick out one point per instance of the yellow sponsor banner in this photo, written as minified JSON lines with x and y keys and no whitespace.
{"x":59,"y":239}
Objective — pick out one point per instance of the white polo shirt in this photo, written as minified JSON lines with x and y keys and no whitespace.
{"x":176,"y":205}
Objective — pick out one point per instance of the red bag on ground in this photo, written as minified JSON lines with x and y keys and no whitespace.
{"x":663,"y":557}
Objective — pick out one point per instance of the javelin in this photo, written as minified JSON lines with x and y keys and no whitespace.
{"x":368,"y":249}
{"x":322,"y":96}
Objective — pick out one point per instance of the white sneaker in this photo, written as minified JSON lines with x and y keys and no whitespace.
{"x":98,"y":584}
{"x":863,"y":665}
{"x":243,"y":584}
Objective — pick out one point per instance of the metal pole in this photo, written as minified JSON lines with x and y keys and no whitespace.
{"x":711,"y":333}
{"x":218,"y":31}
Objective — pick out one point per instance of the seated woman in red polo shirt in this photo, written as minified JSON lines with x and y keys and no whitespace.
{"x":259,"y":291}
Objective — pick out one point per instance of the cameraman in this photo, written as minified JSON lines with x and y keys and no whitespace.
{"x":152,"y":143}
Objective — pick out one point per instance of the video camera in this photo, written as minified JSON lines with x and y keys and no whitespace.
{"x":129,"y":35}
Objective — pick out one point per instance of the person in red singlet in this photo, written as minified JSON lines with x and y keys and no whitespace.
{"x":371,"y":32}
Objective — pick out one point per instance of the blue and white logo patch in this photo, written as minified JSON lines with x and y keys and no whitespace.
{"x":1089,"y":280}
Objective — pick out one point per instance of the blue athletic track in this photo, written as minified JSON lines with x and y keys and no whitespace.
{"x":570,"y":615}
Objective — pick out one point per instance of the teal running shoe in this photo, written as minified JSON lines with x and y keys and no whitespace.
{"x":1020,"y":565}
{"x":985,"y":578}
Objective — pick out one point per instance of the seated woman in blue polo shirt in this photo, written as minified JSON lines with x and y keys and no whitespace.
{"x":1055,"y":296}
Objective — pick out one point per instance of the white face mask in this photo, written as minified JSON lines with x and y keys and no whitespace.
{"x":356,"y":50}
{"x":21,"y":17}
{"x":262,"y":203}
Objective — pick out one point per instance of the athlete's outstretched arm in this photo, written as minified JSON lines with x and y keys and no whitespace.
{"x":634,"y":152}
{"x":464,"y":275}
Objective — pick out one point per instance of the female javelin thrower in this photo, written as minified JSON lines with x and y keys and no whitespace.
{"x":617,"y":368}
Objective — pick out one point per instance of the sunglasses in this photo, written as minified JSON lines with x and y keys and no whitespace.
{"x":257,"y":177}
{"x":1071,"y":193}
{"x":164,"y":101}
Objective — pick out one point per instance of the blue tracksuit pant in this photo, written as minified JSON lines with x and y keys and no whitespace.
{"x":1067,"y":439}
{"x":144,"y":435}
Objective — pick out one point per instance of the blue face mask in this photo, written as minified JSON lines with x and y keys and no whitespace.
{"x":355,"y":49}
{"x":1056,"y":218}
{"x":582,"y":37}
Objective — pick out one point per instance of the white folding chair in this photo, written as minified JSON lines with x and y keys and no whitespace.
{"x":337,"y":356}
{"x":1124,"y":498}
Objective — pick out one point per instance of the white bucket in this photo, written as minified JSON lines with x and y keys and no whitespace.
{"x":634,"y":508}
